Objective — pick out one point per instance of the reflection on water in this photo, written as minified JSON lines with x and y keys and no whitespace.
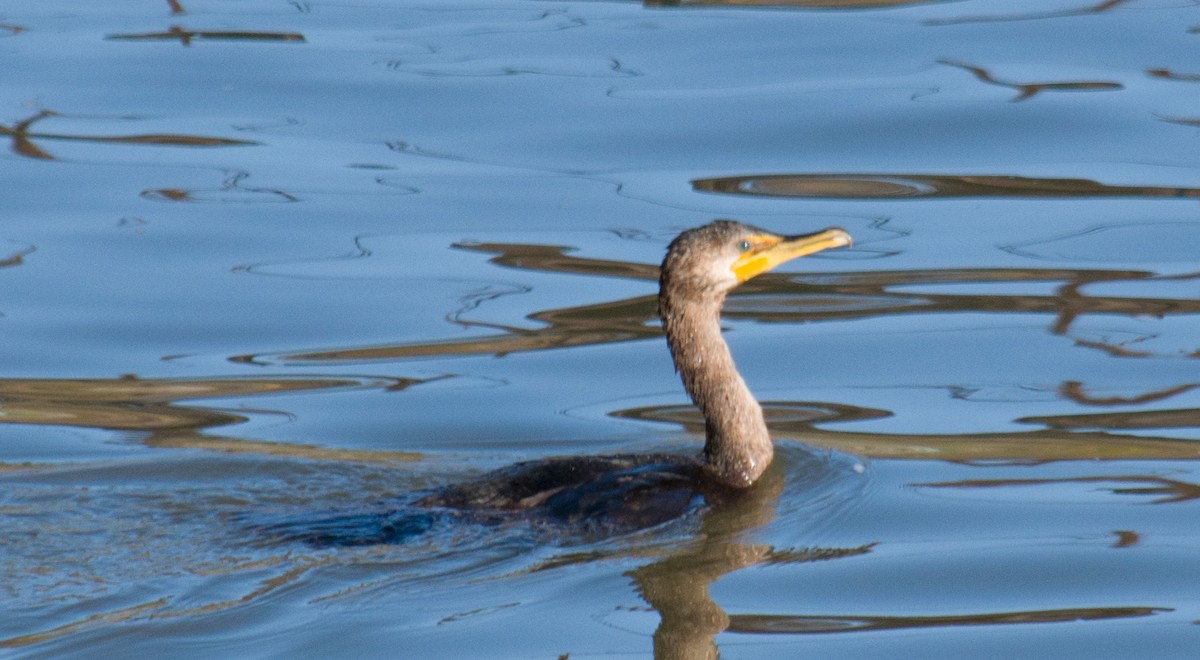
{"x":1029,"y":90}
{"x":16,"y":258}
{"x":23,"y":141}
{"x":232,"y":189}
{"x":797,"y":298}
{"x":1167,"y":74}
{"x":150,"y":406}
{"x":186,"y":37}
{"x":440,"y":256}
{"x":808,"y":4}
{"x":773,"y":297}
{"x":1062,"y":440}
{"x":1083,"y":10}
{"x":1172,"y":491}
{"x":903,"y":186}
{"x":1076,"y":391}
{"x":832,"y":623}
{"x":678,"y":587}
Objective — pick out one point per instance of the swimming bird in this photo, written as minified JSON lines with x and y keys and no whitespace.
{"x":590,"y":496}
{"x":632,"y":491}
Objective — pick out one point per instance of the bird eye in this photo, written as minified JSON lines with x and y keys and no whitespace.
{"x":744,"y":246}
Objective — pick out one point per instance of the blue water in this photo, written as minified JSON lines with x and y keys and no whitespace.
{"x":267,"y":260}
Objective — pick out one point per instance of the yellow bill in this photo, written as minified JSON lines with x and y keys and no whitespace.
{"x":766,"y":251}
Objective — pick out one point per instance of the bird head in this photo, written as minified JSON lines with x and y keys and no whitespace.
{"x":719,"y":256}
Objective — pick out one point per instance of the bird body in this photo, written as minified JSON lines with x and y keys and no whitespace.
{"x":600,"y":495}
{"x":701,"y":267}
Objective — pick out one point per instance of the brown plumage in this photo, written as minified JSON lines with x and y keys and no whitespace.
{"x":701,"y":267}
{"x":697,"y":273}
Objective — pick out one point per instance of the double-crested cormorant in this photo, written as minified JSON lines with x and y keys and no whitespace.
{"x":601,"y":495}
{"x":630,"y":491}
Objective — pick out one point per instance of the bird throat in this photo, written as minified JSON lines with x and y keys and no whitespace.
{"x":737,"y":446}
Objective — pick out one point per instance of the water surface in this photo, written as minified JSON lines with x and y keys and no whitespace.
{"x":269,"y":260}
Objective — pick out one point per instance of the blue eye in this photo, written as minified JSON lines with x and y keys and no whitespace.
{"x":744,"y":246}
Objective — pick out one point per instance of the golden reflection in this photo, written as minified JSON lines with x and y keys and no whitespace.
{"x":232,"y":189}
{"x":1074,"y":390}
{"x":773,"y":297}
{"x":805,"y":420}
{"x":1029,"y":90}
{"x":1171,"y":490}
{"x":92,"y":621}
{"x":907,"y":186}
{"x":1098,"y":8}
{"x":186,"y":37}
{"x":800,"y":4}
{"x":800,"y":298}
{"x":1167,"y":74}
{"x":1140,"y":420}
{"x":1126,"y":538}
{"x":16,"y":258}
{"x":837,"y":623}
{"x":150,"y":406}
{"x":22,"y":138}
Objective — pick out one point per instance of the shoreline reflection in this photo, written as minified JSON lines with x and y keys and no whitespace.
{"x":151,"y":407}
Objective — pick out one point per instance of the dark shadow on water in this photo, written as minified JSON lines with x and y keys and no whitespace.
{"x":186,"y":37}
{"x":834,"y":623}
{"x":344,"y":529}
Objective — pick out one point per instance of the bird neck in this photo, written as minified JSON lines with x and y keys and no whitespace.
{"x":737,"y":446}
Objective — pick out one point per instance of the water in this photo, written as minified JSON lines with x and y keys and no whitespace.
{"x":271,"y":259}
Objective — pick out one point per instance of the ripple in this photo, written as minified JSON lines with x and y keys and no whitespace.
{"x":505,"y":22}
{"x":832,"y":623}
{"x":782,"y":303}
{"x":904,"y":186}
{"x":489,"y":67}
{"x":1029,"y":90}
{"x":16,"y":257}
{"x":231,"y":190}
{"x":1163,"y":242}
{"x":186,"y":37}
{"x":778,"y":413}
{"x":799,"y":4}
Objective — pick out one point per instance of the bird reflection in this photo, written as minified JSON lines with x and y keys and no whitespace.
{"x":677,"y":587}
